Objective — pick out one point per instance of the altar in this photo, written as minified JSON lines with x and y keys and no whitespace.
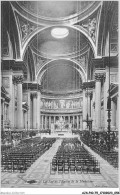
{"x":61,"y":126}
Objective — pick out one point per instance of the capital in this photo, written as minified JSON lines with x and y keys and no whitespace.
{"x":99,"y":76}
{"x":18,"y":79}
{"x":34,"y":95}
{"x":88,"y":93}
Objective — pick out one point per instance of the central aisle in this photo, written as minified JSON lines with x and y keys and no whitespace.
{"x":40,"y":172}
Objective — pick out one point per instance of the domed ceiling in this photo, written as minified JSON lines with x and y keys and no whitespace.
{"x":61,"y":77}
{"x":47,"y":45}
{"x":63,"y":46}
{"x":55,"y":9}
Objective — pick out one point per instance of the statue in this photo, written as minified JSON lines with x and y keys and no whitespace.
{"x":62,"y":103}
{"x":68,"y":104}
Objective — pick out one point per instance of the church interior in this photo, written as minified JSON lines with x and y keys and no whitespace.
{"x":59,"y":94}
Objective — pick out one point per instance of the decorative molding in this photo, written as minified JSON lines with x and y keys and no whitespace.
{"x":90,"y":26}
{"x":18,"y":79}
{"x":82,"y":61}
{"x":26,"y":27}
{"x":38,"y":61}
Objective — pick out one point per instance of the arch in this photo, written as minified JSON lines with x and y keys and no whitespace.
{"x":80,"y":29}
{"x":78,"y":68}
{"x":12,"y":29}
{"x":30,"y":63}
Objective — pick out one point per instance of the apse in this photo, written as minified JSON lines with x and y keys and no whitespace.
{"x":61,"y":78}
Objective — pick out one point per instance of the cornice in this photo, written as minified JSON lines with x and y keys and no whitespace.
{"x":63,"y":111}
{"x":102,"y":63}
{"x":31,"y":86}
{"x":13,"y":65}
{"x":88,"y":85}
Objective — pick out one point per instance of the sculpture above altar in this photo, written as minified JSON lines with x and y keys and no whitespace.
{"x":62,"y":125}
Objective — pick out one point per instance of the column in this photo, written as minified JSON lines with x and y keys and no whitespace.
{"x":42,"y":121}
{"x":88,"y":94}
{"x":45,"y":122}
{"x":13,"y":105}
{"x":34,"y":95}
{"x":26,"y":120}
{"x":81,"y":122}
{"x":19,"y":81}
{"x":113,"y":114}
{"x":38,"y":110}
{"x":49,"y":122}
{"x":54,"y":119}
{"x":84,"y":109}
{"x":117,"y":113}
{"x":68,"y":119}
{"x":77,"y":122}
{"x":73,"y":121}
{"x":28,"y":112}
{"x":93,"y":109}
{"x":98,"y":78}
{"x":2,"y":113}
{"x":106,"y":87}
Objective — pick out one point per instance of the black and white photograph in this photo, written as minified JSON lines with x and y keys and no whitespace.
{"x":59,"y":95}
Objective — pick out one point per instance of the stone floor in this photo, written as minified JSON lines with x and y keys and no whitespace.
{"x":40,"y":172}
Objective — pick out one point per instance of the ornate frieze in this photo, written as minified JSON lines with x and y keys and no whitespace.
{"x":61,"y":104}
{"x":99,"y":76}
{"x":18,"y":79}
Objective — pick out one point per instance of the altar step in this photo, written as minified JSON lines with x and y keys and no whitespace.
{"x":59,"y":135}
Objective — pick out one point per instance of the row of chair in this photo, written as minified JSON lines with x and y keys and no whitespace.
{"x":73,"y":157}
{"x":98,"y":141}
{"x":24,"y":155}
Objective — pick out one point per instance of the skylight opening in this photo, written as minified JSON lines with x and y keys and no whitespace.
{"x":59,"y":33}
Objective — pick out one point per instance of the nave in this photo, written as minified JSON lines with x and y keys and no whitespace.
{"x":65,"y":162}
{"x":59,"y":94}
